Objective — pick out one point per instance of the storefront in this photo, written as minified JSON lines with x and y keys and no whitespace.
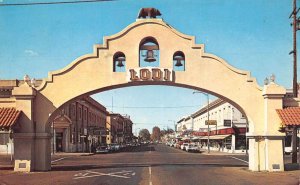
{"x":231,"y":140}
{"x":8,"y":120}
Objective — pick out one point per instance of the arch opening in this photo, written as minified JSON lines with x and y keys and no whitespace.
{"x":137,"y":84}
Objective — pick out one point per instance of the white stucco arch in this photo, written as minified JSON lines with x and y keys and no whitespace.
{"x":93,"y":73}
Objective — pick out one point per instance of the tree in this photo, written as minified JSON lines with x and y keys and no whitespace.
{"x":166,"y":131}
{"x":155,"y":134}
{"x":144,"y":134}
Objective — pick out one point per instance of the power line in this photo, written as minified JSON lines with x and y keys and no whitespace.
{"x":151,"y":123}
{"x":51,"y":3}
{"x":168,"y":107}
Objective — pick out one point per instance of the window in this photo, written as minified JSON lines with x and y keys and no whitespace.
{"x":85,"y":114}
{"x":73,"y":110}
{"x":80,"y":133}
{"x":178,"y":61}
{"x":4,"y":138}
{"x":72,"y":134}
{"x":80,"y":113}
{"x":149,"y":52}
{"x":119,"y":62}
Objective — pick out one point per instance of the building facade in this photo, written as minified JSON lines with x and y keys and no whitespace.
{"x":8,"y":124}
{"x":80,"y":127}
{"x":227,"y":127}
{"x":120,"y":128}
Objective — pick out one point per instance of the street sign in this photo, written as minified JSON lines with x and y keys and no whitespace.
{"x":210,"y":122}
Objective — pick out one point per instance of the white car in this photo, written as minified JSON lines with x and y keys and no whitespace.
{"x":192,"y":148}
{"x":288,"y":150}
{"x":183,"y":146}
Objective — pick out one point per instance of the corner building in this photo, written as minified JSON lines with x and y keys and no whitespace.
{"x":226,"y":134}
{"x":80,"y":127}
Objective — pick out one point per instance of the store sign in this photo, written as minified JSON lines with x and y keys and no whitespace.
{"x":149,"y":74}
{"x":210,"y":122}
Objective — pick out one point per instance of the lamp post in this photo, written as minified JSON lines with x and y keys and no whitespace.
{"x":207,"y":95}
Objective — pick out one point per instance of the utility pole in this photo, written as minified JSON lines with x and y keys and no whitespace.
{"x":294,"y":51}
{"x":295,"y":23}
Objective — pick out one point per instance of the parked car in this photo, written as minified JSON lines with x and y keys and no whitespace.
{"x":182,"y":147}
{"x":192,"y":147}
{"x":111,"y":147}
{"x":288,"y":150}
{"x":178,"y":145}
{"x":102,"y":149}
{"x":170,"y":143}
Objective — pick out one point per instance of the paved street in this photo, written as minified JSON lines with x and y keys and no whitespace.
{"x":146,"y":165}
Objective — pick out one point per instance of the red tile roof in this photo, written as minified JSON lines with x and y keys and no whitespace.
{"x":290,"y":115}
{"x":8,"y":117}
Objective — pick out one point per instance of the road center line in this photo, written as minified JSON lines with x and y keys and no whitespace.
{"x":150,"y":178}
{"x":59,"y":159}
{"x":239,"y":159}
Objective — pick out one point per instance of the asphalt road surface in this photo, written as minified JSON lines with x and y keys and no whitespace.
{"x":149,"y":165}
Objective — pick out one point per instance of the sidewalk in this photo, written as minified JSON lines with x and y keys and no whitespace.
{"x":214,"y":152}
{"x":71,"y":154}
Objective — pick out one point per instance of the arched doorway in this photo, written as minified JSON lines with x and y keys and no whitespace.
{"x":61,"y":133}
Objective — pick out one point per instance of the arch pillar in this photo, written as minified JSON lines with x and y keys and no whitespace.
{"x":266,"y":142}
{"x":30,"y":147}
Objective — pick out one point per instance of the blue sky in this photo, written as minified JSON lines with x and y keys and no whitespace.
{"x":253,"y":35}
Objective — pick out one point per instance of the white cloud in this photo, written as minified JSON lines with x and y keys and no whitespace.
{"x":30,"y":53}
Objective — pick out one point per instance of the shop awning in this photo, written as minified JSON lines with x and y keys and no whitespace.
{"x":215,"y":137}
{"x":186,"y":138}
{"x":289,"y":116}
{"x":8,"y":117}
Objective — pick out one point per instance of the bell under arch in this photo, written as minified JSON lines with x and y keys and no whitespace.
{"x":119,"y":62}
{"x":149,"y":52}
{"x":178,"y":61}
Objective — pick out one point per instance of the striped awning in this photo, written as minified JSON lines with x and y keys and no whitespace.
{"x":215,"y":137}
{"x":8,"y":117}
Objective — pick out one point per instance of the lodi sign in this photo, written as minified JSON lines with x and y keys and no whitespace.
{"x":149,"y":74}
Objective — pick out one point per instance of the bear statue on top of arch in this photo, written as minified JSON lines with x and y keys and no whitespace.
{"x":150,"y":12}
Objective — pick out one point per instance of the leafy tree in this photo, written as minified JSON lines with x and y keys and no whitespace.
{"x":166,"y":131}
{"x":144,"y":134}
{"x":155,"y":134}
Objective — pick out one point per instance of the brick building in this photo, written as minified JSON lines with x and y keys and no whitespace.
{"x":82,"y":123}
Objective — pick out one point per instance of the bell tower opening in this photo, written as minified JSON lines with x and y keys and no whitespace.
{"x":119,"y":61}
{"x":149,"y":52}
{"x":178,"y":61}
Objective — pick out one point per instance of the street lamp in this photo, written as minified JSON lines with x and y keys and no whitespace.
{"x":207,"y":95}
